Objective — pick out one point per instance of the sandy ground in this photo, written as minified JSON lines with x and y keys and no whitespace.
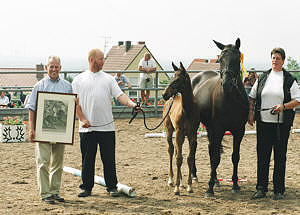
{"x":143,"y":164}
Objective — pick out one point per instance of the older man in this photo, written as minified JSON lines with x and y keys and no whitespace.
{"x":95,"y":90}
{"x":49,"y":157}
{"x":146,"y":66}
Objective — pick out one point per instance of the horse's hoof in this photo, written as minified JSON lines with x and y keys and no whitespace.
{"x":209,"y":194}
{"x":234,"y":191}
{"x":182,"y":186}
{"x":189,"y":189}
{"x":195,"y":179}
{"x":176,"y":191}
{"x":170,"y":182}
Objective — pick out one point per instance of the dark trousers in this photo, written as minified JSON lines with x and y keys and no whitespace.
{"x":88,"y":145}
{"x":267,"y":138}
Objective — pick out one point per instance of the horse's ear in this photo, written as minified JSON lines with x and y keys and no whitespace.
{"x":182,"y":67}
{"x":174,"y":67}
{"x":220,"y":45}
{"x":238,"y":43}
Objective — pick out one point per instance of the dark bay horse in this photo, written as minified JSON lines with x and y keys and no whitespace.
{"x":184,"y":119}
{"x":223,"y":105}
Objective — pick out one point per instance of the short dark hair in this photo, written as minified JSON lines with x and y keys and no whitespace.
{"x":278,"y":51}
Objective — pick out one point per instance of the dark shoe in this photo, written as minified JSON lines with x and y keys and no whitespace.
{"x":259,"y":194}
{"x":48,"y":200}
{"x":58,"y":198}
{"x":85,"y":193}
{"x":278,"y":196}
{"x":114,"y":193}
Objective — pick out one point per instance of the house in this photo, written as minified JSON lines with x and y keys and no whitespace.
{"x":125,"y":57}
{"x":200,"y":64}
{"x":18,"y":80}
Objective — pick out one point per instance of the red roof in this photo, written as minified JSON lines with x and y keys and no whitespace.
{"x":16,"y":80}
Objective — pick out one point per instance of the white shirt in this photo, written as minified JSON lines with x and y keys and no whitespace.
{"x":146,"y":65}
{"x":95,"y":91}
{"x":272,"y":94}
{"x":4,"y":100}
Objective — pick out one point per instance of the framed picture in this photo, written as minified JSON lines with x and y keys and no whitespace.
{"x":55,"y":117}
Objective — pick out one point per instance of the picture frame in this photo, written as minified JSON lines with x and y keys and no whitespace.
{"x":55,"y":118}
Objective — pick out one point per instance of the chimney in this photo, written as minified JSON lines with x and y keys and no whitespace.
{"x":127,"y":45}
{"x":39,"y":67}
{"x":141,"y":43}
{"x":120,"y":43}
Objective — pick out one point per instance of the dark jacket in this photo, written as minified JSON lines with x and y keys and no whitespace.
{"x":288,"y":80}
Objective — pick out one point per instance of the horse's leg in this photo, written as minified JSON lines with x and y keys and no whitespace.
{"x":191,"y":158}
{"x":179,"y":138}
{"x":194,"y":168}
{"x":237,"y":138}
{"x":215,"y":147}
{"x":169,"y":133}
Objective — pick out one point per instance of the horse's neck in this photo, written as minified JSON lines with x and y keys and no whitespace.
{"x":188,"y":99}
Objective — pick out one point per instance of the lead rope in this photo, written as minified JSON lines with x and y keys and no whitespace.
{"x":134,"y":114}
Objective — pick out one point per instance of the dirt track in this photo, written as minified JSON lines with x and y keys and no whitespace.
{"x":143,"y":164}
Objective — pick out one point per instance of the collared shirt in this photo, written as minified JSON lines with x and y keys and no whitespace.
{"x":121,"y":78}
{"x":149,"y":64}
{"x":95,"y":92}
{"x":272,"y":94}
{"x":48,"y":85}
{"x":4,"y":100}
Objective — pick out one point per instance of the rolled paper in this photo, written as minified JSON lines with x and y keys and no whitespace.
{"x":129,"y":191}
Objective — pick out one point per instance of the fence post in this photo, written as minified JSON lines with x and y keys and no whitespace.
{"x":156,"y":93}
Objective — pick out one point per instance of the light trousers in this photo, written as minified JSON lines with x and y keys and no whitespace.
{"x":49,"y":161}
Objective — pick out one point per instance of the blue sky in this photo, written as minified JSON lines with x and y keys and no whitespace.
{"x":173,"y":30}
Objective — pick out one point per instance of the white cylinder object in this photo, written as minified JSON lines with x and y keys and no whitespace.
{"x":129,"y":191}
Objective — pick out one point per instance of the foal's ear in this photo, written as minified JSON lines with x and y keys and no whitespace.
{"x":220,"y":45}
{"x":174,"y":67}
{"x":238,"y":43}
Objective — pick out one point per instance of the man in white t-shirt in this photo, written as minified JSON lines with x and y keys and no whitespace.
{"x":147,"y":65}
{"x":3,"y":99}
{"x":95,"y":90}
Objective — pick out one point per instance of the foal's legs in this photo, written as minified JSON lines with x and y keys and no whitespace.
{"x":169,"y":133}
{"x":191,"y":159}
{"x":215,"y":138}
{"x":237,"y":138}
{"x":179,"y":138}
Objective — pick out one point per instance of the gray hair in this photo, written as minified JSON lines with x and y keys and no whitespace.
{"x":53,"y":57}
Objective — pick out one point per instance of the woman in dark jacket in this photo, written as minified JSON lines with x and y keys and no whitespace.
{"x":272,"y":101}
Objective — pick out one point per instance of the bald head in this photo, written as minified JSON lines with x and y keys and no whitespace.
{"x":96,"y":60}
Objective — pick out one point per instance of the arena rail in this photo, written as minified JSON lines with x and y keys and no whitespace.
{"x":118,"y":111}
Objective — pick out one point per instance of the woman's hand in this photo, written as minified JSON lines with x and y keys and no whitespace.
{"x":278,"y":108}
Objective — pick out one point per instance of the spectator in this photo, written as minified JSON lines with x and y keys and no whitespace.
{"x":4,"y":100}
{"x":147,"y":65}
{"x":121,"y":80}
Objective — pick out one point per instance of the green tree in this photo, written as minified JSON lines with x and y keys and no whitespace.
{"x":294,"y":65}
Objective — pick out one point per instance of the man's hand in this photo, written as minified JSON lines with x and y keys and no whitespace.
{"x":85,"y":123}
{"x":251,"y":119}
{"x":120,"y":82}
{"x":32,"y":135}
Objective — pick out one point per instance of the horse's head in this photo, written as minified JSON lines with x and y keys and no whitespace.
{"x":178,"y":84}
{"x":229,"y":64}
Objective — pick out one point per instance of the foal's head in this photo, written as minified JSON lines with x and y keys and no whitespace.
{"x":178,"y":84}
{"x":229,"y":64}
